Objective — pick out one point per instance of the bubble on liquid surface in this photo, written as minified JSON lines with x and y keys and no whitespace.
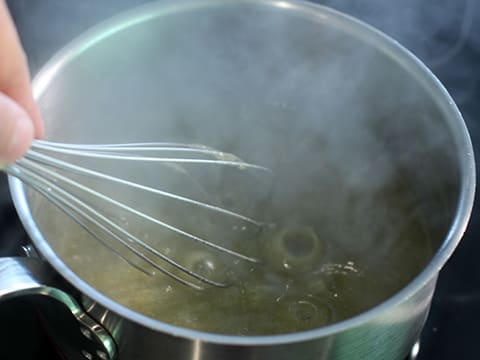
{"x":298,"y":244}
{"x":306,"y":311}
{"x":295,"y":249}
{"x":205,"y":264}
{"x":204,"y":267}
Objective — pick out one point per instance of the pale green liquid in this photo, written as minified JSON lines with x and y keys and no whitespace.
{"x":320,"y":264}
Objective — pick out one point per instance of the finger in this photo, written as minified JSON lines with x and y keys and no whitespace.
{"x":17,"y":130}
{"x":19,"y":89}
{"x":14,"y":73}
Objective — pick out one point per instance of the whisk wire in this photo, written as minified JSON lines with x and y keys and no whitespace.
{"x":140,"y":214}
{"x":80,"y":211}
{"x":59,"y":164}
{"x":43,"y":173}
{"x":114,"y":152}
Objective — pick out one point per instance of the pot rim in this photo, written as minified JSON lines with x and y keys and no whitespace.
{"x":312,"y":12}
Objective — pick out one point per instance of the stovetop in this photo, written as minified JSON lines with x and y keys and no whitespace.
{"x":445,"y":34}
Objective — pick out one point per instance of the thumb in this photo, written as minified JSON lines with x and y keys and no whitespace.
{"x":16,"y":131}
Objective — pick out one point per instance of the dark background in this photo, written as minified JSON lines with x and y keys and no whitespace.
{"x":445,"y":34}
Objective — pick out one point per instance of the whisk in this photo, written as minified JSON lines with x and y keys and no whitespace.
{"x":43,"y":170}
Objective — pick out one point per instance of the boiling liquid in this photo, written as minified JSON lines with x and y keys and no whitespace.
{"x":321,"y":261}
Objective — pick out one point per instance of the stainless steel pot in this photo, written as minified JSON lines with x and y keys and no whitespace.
{"x":308,"y":70}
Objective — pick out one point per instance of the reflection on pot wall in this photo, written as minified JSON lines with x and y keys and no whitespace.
{"x":352,"y":181}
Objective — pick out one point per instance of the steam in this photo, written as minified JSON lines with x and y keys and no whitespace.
{"x":434,"y":30}
{"x":45,"y":27}
{"x":336,"y":121}
{"x":358,"y":146}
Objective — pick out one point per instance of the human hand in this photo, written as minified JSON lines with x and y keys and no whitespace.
{"x":20,"y":119}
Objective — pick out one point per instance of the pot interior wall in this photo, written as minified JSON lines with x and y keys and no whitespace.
{"x":350,"y":134}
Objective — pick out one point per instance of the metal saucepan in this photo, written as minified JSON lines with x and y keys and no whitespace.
{"x":275,"y":82}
